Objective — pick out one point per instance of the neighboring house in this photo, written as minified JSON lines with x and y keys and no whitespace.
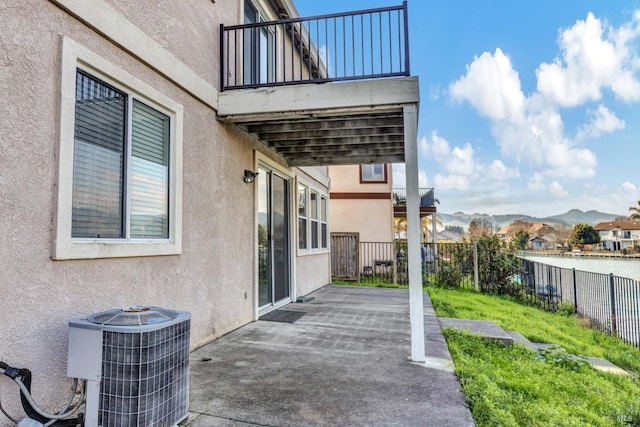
{"x":132,"y":135}
{"x":361,"y":201}
{"x":544,"y":242}
{"x":364,"y":201}
{"x":619,"y":235}
{"x":542,"y":236}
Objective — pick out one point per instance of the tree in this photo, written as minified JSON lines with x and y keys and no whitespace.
{"x":455,"y":229}
{"x":426,"y":225}
{"x":520,"y":225}
{"x":480,"y":227}
{"x":583,"y":234}
{"x":400,"y":227}
{"x":497,"y":264}
{"x":521,"y":239}
{"x":621,"y":218}
{"x":636,"y":212}
{"x":562,"y":233}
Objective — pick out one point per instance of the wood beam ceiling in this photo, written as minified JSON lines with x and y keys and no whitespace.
{"x":331,"y":140}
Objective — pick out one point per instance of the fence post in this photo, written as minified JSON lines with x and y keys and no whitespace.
{"x":395,"y":262}
{"x":613,"y":304}
{"x":575,"y":292}
{"x":475,"y":265}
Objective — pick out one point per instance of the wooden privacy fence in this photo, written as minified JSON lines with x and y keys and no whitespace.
{"x":345,"y":255}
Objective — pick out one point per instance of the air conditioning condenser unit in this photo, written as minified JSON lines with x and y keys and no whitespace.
{"x":136,"y":363}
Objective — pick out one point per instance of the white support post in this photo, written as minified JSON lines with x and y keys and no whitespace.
{"x":433,"y":229}
{"x":413,"y":234}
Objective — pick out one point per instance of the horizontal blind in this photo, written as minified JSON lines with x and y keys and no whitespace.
{"x":149,"y":200}
{"x":98,"y":159}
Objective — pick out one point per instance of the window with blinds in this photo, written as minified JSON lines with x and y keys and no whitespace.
{"x":312,"y":220}
{"x":313,"y":207}
{"x":120,"y":165}
{"x":302,"y":217}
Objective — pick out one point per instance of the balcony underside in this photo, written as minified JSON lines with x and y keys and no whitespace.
{"x":326,"y":124}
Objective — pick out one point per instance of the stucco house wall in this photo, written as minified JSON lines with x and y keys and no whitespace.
{"x":371,"y":218}
{"x":214,"y":276}
{"x":361,"y":207}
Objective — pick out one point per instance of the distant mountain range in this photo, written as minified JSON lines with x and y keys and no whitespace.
{"x":569,"y":218}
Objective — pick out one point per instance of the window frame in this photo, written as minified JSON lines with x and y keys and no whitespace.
{"x":384,"y":180}
{"x":76,"y":57}
{"x":319,"y":220}
{"x":303,"y":217}
{"x":261,"y":67}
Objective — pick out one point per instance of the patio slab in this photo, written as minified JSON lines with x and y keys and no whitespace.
{"x":343,"y":363}
{"x":485,"y":328}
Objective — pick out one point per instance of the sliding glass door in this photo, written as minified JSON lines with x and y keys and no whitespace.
{"x":274,"y":254}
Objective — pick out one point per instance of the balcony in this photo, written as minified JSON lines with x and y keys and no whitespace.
{"x":325,"y":90}
{"x":427,"y":201}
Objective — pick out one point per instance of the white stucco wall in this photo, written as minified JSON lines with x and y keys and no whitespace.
{"x":213,"y":277}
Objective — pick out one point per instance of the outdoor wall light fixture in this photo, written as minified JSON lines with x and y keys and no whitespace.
{"x":249,"y":176}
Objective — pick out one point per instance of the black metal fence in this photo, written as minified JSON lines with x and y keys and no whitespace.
{"x":387,"y":262}
{"x":363,"y":44}
{"x":383,"y":262}
{"x":610,"y":303}
{"x":426,"y":196}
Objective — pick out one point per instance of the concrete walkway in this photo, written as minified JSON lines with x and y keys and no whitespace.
{"x":344,"y":362}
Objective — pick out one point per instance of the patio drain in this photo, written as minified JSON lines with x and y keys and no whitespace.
{"x":284,"y":316}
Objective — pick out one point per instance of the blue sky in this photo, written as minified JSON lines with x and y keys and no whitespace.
{"x":529,"y":108}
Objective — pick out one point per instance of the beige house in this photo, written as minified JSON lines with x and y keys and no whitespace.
{"x":361,"y":201}
{"x":365,"y":203}
{"x":176,"y":154}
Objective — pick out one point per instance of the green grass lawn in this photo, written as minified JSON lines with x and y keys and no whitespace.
{"x":514,"y":386}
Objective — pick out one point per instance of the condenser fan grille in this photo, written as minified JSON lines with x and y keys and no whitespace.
{"x":133,"y":316}
{"x":145,"y":377}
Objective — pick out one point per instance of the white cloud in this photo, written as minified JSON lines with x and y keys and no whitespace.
{"x":527,"y":129}
{"x":570,"y":162}
{"x":438,"y":149}
{"x":400,"y":177}
{"x":492,"y":86}
{"x":536,"y":182}
{"x":630,"y":187}
{"x":461,"y":160}
{"x":499,"y":172}
{"x":451,"y":182}
{"x":459,"y":169}
{"x":592,"y":58}
{"x":557,"y":190}
{"x":602,"y":121}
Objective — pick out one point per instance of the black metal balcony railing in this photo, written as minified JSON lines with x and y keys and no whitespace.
{"x":426,"y":197}
{"x":364,"y":44}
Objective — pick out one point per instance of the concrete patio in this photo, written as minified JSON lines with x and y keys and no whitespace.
{"x":344,"y":362}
